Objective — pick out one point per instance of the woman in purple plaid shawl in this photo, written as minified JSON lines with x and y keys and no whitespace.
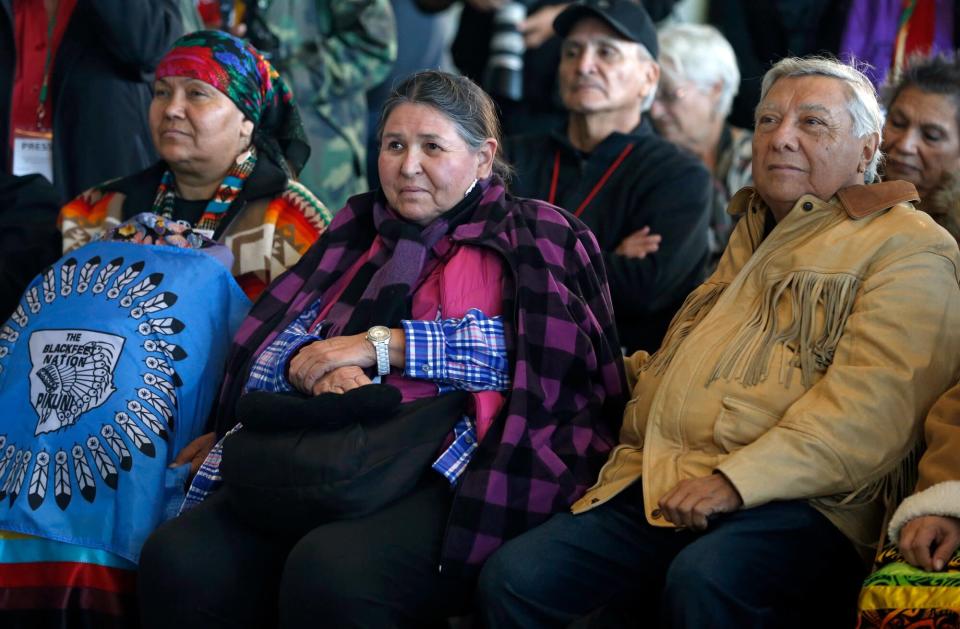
{"x":440,"y":281}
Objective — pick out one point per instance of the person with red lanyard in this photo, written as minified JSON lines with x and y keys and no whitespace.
{"x":646,"y":201}
{"x":73,"y":94}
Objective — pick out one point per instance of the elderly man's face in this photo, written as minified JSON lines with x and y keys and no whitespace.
{"x":804,"y":142}
{"x":601,"y":72}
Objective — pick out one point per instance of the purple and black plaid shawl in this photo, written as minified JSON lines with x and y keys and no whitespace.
{"x":563,"y":412}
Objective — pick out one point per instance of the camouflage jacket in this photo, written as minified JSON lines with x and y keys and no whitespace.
{"x":332,"y":52}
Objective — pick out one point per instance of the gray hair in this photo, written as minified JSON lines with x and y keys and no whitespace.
{"x":862,"y":100}
{"x":462,"y":101}
{"x":700,"y":54}
{"x":647,"y":102}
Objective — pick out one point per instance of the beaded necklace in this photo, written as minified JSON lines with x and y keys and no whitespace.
{"x":217,"y":206}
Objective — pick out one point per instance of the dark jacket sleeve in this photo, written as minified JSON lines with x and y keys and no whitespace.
{"x":678,"y":208}
{"x":29,"y":238}
{"x":136,"y":32}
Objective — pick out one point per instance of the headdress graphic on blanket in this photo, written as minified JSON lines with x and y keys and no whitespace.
{"x":108,"y":367}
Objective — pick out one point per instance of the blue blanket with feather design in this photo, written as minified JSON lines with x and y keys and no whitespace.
{"x":108,"y":367}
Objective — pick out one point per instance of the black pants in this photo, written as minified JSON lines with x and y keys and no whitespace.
{"x":209,"y":569}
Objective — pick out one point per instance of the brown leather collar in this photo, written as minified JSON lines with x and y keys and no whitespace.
{"x":863,"y":200}
{"x":740,"y":202}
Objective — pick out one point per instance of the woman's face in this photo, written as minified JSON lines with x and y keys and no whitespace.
{"x":425,"y":166}
{"x":195,"y":127}
{"x":920,"y":139}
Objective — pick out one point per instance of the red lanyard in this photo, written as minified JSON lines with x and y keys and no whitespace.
{"x":596,"y":188}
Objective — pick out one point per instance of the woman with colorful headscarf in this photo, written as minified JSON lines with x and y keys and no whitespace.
{"x":231,"y":144}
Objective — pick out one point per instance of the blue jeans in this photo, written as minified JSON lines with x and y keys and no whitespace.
{"x":779,"y":565}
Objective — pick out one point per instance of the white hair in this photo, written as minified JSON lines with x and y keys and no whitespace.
{"x":700,"y":54}
{"x":862,"y":100}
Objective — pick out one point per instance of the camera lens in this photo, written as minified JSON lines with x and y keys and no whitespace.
{"x":504,"y":72}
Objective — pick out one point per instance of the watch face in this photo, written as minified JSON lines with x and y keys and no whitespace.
{"x":378,"y":333}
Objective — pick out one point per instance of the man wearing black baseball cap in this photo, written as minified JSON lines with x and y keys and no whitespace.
{"x":626,"y":17}
{"x":646,"y":201}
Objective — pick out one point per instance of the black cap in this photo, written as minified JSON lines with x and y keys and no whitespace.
{"x":627,"y":17}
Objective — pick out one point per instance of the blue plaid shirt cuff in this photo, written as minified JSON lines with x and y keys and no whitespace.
{"x":269,"y":370}
{"x":468,"y":353}
{"x":454,"y":459}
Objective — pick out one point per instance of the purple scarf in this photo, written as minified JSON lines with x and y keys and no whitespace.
{"x":401,"y":260}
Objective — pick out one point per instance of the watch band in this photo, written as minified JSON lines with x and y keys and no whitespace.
{"x":383,"y":357}
{"x":379,"y":336}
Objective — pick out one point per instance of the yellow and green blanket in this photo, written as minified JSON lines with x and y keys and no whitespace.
{"x":898,"y":596}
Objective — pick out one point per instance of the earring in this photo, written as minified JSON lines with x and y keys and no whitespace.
{"x":471,"y":187}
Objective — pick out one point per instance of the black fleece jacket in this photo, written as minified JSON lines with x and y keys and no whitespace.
{"x":656,"y":185}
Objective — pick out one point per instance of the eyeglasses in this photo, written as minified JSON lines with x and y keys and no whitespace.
{"x":668,"y":95}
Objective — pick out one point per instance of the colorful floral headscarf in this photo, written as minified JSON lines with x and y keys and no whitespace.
{"x":242,"y":73}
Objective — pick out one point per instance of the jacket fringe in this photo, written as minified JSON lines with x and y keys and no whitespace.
{"x":750,"y":361}
{"x":695,"y":307}
{"x":890,"y":487}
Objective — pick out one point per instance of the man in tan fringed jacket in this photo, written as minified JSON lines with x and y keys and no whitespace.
{"x":785,"y":401}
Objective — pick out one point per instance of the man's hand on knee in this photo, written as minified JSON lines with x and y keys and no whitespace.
{"x":691,"y":502}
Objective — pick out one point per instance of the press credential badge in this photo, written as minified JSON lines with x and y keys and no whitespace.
{"x":33,"y":153}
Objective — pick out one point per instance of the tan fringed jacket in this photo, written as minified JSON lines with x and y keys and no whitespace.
{"x":803,"y":367}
